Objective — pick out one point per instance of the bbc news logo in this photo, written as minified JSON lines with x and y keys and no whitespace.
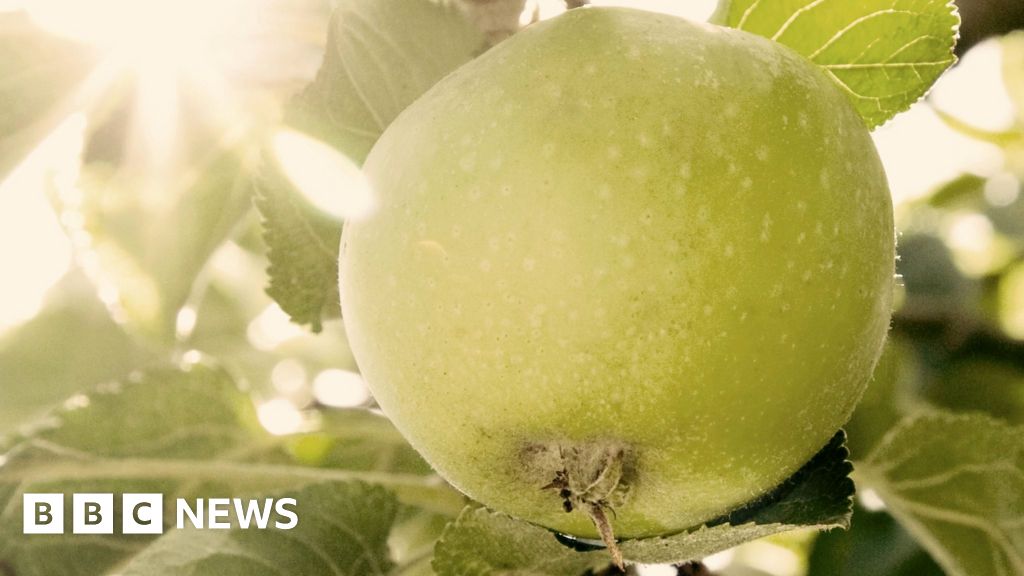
{"x":144,"y":513}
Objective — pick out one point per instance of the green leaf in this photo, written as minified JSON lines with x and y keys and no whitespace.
{"x":875,"y":544}
{"x":92,"y":349}
{"x":185,"y":432}
{"x":892,"y":394}
{"x":483,"y":543}
{"x":957,"y":484}
{"x":817,"y":496}
{"x":343,"y":530}
{"x":149,"y":271}
{"x":302,"y":246}
{"x":980,"y":383}
{"x":966,"y":190}
{"x":413,"y":538}
{"x":885,"y":54}
{"x":356,"y":440}
{"x":233,"y":325}
{"x":38,"y":74}
{"x":111,"y":441}
{"x":381,"y":55}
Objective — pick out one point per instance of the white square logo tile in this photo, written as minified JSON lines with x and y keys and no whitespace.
{"x":142,"y":514}
{"x":43,"y":514}
{"x":93,"y":514}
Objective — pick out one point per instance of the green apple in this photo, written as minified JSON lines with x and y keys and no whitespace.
{"x":625,"y":262}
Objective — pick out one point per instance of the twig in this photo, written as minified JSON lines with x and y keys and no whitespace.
{"x":497,"y":19}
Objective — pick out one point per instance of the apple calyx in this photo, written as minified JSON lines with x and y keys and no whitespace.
{"x":591,"y":477}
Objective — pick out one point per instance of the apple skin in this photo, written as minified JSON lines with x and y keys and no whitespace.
{"x":620,"y":228}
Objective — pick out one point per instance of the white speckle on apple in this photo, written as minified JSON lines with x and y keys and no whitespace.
{"x":703,"y":214}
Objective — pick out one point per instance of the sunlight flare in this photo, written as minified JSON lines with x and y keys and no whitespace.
{"x":28,"y":219}
{"x":328,"y":179}
{"x":280,"y":417}
{"x":143,"y":31}
{"x":340,"y":389}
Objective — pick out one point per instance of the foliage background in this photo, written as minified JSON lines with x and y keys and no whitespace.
{"x":137,"y":303}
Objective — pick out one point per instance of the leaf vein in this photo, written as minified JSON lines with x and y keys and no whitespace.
{"x":796,"y":16}
{"x":746,"y":14}
{"x":857,"y":22}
